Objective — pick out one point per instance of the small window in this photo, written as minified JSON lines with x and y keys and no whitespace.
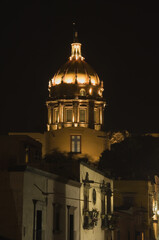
{"x":82,"y":114}
{"x":83,"y":92}
{"x":69,"y":115}
{"x":76,"y":144}
{"x":56,"y":115}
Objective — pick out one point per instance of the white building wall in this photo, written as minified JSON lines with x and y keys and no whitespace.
{"x":62,"y":193}
{"x":96,"y":233}
{"x":30,"y":192}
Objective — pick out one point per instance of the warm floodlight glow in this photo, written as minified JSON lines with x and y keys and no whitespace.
{"x":157,"y":212}
{"x":90,"y":91}
{"x":71,"y":75}
{"x":76,"y":51}
{"x":81,"y":80}
{"x":57,"y":81}
{"x":69,"y":80}
{"x":49,"y":83}
{"x":93,"y":81}
{"x":100,"y":92}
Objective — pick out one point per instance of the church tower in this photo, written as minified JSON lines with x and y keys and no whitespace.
{"x":76,"y":108}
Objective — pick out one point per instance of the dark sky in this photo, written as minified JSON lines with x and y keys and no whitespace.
{"x":120,"y":41}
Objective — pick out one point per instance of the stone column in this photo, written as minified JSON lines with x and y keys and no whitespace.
{"x":75,"y":111}
{"x":59,"y":109}
{"x":49,"y":114}
{"x":91,"y":114}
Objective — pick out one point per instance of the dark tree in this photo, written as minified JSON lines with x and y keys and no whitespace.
{"x":135,"y":157}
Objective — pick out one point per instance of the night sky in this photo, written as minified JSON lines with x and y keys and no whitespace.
{"x":120,"y":41}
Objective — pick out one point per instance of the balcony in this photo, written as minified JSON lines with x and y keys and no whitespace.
{"x":90,"y":219}
{"x":109,"y":222}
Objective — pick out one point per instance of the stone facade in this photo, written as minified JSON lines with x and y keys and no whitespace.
{"x":38,"y":205}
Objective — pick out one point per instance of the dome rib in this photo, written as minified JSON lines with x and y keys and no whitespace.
{"x":79,"y":68}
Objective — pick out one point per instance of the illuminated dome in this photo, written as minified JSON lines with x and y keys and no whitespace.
{"x":76,"y":78}
{"x":75,"y":95}
{"x":76,"y":70}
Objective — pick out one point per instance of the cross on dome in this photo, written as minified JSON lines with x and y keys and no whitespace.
{"x":76,"y":46}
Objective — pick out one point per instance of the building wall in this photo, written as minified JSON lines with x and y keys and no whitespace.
{"x":39,"y":137}
{"x":30,"y":193}
{"x":18,"y":194}
{"x":93,"y":142}
{"x":62,"y":194}
{"x":138,"y":196}
{"x":66,"y":197}
{"x":97,"y":232}
{"x":11,"y":204}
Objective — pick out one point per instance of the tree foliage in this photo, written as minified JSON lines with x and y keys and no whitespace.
{"x":135,"y":157}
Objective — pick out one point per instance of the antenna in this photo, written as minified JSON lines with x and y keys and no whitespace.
{"x":75,"y":33}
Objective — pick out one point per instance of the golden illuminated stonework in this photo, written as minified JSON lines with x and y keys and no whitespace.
{"x":76,"y":70}
{"x":75,"y":95}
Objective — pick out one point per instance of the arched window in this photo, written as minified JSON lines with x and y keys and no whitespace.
{"x":83,"y":92}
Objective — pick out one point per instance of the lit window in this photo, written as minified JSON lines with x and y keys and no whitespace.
{"x":83,"y":92}
{"x":76,"y":144}
{"x":69,"y":115}
{"x":82,"y":115}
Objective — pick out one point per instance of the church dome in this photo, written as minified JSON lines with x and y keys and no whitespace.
{"x":76,"y":78}
{"x":75,"y":70}
{"x":75,"y":94}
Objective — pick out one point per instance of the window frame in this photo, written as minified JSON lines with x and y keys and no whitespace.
{"x":85,"y":111}
{"x":75,"y":152}
{"x":56,"y":115}
{"x":82,"y":92}
{"x":66,"y":110}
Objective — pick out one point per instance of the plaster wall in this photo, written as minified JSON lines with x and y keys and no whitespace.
{"x":35,"y":135}
{"x":138,"y":190}
{"x":141,"y":192}
{"x":66,"y":196}
{"x":93,"y":142}
{"x":61,"y":193}
{"x":11,"y":204}
{"x":30,"y":193}
{"x":97,"y":232}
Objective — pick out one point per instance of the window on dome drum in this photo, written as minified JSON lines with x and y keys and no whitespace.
{"x":68,"y":115}
{"x":56,"y":115}
{"x":83,"y":92}
{"x":75,"y":143}
{"x":82,"y":115}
